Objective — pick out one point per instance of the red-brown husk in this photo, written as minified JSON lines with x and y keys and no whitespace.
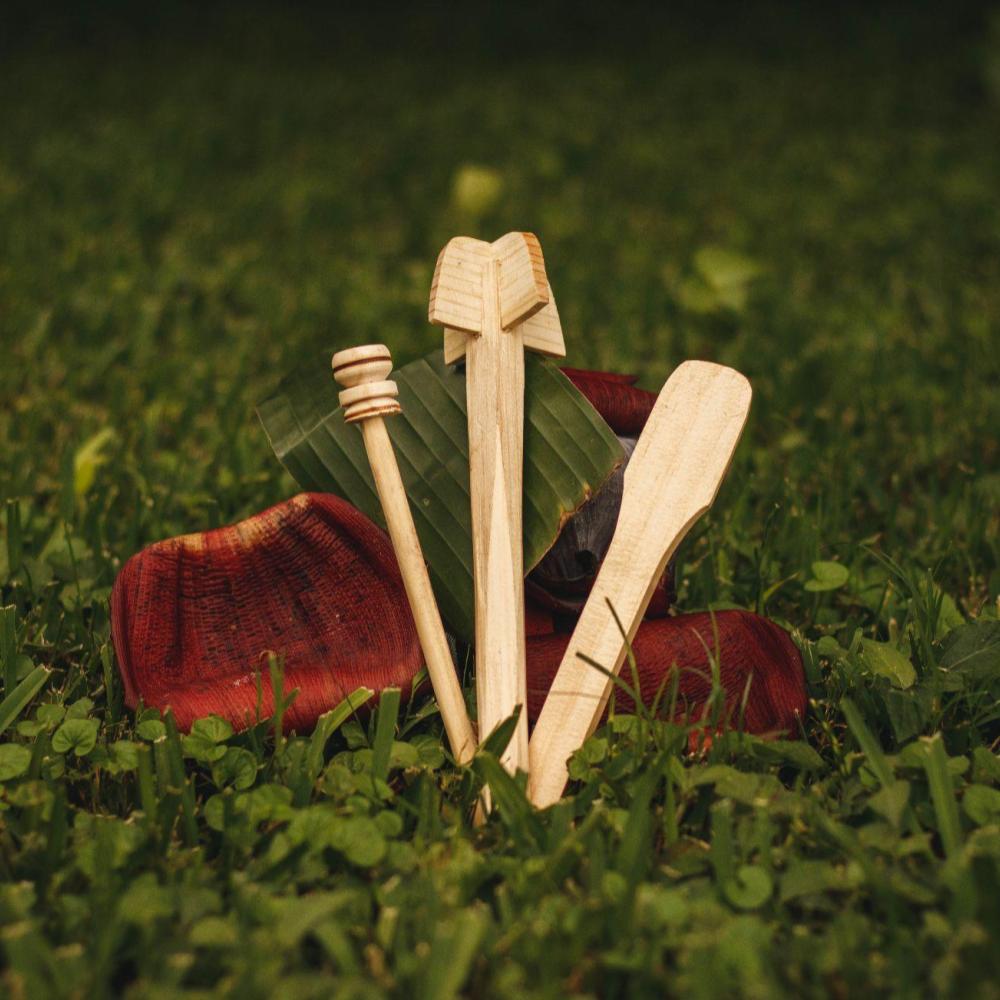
{"x":750,"y":650}
{"x":615,"y":397}
{"x":311,"y":579}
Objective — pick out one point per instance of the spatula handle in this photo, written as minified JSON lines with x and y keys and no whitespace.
{"x":580,"y":692}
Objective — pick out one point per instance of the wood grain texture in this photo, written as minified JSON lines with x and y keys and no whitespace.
{"x":674,"y":474}
{"x":523,"y":287}
{"x":495,"y":390}
{"x":541,"y":333}
{"x":526,"y":298}
{"x":367,"y":398}
{"x":456,"y":288}
{"x":516,"y":311}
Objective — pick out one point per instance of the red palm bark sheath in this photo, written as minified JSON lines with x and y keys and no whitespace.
{"x":315,"y":581}
{"x":754,"y":655}
{"x":311,"y":579}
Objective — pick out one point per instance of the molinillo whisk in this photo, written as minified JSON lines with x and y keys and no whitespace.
{"x":367,"y":398}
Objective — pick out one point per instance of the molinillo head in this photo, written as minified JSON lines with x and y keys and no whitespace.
{"x":369,"y":396}
{"x":367,"y":392}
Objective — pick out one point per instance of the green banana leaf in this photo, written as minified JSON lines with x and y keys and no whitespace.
{"x":569,"y":451}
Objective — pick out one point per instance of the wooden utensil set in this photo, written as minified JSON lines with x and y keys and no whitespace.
{"x":494,"y":302}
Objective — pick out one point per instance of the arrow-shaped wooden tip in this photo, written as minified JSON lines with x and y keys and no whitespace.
{"x":526,"y":300}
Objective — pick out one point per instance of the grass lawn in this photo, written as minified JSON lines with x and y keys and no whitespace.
{"x":191,"y":205}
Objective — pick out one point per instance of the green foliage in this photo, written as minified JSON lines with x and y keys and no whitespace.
{"x":188,"y":214}
{"x":827,"y":576}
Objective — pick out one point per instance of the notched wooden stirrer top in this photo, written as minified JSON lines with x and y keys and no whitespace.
{"x":367,"y":398}
{"x":494,"y":301}
{"x":456,"y":301}
{"x":671,"y":480}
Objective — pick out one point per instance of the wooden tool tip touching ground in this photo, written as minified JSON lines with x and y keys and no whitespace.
{"x":494,"y":302}
{"x":671,"y":480}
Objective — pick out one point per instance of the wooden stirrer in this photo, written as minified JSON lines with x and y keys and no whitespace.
{"x":494,"y":301}
{"x":366,"y":399}
{"x":672,"y":478}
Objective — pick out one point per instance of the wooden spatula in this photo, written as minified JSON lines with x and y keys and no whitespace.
{"x":671,"y":480}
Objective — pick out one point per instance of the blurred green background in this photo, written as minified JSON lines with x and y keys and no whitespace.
{"x":192,"y":202}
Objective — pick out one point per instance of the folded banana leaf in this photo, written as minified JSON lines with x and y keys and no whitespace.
{"x":569,"y":452}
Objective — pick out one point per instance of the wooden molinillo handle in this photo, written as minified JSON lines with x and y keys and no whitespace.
{"x":671,"y":480}
{"x":367,"y":398}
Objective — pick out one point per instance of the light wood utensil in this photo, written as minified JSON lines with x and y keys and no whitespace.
{"x":367,"y":398}
{"x":494,"y":301}
{"x":672,"y":478}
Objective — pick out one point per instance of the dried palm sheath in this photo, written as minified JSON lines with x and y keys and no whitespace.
{"x":311,"y":579}
{"x":615,"y":397}
{"x":749,"y":649}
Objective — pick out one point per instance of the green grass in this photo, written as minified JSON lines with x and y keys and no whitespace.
{"x":189,"y":209}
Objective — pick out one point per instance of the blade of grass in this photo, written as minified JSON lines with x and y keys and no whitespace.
{"x":180,"y":780}
{"x":721,"y":849}
{"x":385,"y":732}
{"x":635,"y":850}
{"x":8,"y":647}
{"x":147,"y":790}
{"x":329,"y":722}
{"x":166,"y":792}
{"x":509,"y":797}
{"x":497,"y":741}
{"x":453,"y":950}
{"x":276,"y":673}
{"x":112,"y":687}
{"x":942,"y":794}
{"x":18,"y":698}
{"x":869,"y":744}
